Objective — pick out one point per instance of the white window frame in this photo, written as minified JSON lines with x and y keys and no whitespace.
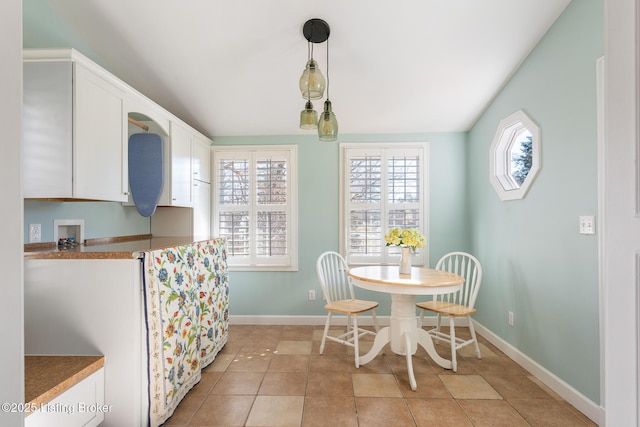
{"x":387,"y":255}
{"x":253,"y":262}
{"x":500,"y":170}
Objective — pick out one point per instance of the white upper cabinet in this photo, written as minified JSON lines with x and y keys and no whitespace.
{"x":201,"y":160}
{"x":74,"y":133}
{"x":177,"y":177}
{"x":100,"y":149}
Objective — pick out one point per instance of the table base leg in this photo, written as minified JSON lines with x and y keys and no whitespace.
{"x":425,"y":340}
{"x":412,"y":377}
{"x":383,"y":337}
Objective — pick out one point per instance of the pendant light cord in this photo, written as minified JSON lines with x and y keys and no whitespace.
{"x":327,"y":68}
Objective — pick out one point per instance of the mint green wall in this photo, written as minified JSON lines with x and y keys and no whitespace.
{"x":43,"y":28}
{"x":101,"y":219}
{"x":318,"y":204}
{"x":535,"y":262}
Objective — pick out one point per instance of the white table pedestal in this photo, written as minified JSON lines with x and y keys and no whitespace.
{"x":404,"y":336}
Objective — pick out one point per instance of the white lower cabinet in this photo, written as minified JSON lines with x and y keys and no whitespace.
{"x":93,"y":306}
{"x":80,"y":406}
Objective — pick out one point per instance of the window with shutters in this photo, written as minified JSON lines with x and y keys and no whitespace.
{"x":255,"y":205}
{"x":382,"y":186}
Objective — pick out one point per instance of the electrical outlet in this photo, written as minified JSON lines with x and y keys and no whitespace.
{"x":312,"y":295}
{"x":35,"y":233}
{"x":511,"y":318}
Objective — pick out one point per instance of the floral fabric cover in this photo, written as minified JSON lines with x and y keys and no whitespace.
{"x":187,"y":316}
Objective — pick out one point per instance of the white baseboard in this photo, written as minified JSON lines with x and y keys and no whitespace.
{"x":564,"y":390}
{"x":568,"y":393}
{"x":320,"y":320}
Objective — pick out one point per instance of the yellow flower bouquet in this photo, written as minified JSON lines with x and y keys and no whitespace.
{"x":408,"y":237}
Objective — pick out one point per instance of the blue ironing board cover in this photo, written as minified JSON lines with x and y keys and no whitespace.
{"x":145,"y":171}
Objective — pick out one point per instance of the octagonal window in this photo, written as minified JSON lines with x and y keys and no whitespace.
{"x":515,"y":156}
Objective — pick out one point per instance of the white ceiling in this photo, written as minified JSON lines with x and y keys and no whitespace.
{"x":231,"y":67}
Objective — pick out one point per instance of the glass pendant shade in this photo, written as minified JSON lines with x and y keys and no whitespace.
{"x":328,"y":124}
{"x":308,"y":117}
{"x":312,"y":81}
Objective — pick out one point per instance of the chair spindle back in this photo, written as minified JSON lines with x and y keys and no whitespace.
{"x":467,"y":266}
{"x":332,"y":271}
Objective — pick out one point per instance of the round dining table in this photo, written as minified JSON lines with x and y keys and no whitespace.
{"x":403,"y":332}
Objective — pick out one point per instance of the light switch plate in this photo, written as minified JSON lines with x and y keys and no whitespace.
{"x":587,"y":225}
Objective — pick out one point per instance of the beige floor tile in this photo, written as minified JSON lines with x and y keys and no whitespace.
{"x":492,"y":413}
{"x":281,"y":411}
{"x":516,"y":387}
{"x":223,"y":410}
{"x":546,"y":388}
{"x":207,"y":380}
{"x":469,"y":387}
{"x":297,"y":334}
{"x":240,"y":332}
{"x":289,"y":363}
{"x":221,"y":363}
{"x":329,"y":384}
{"x":317,"y":334}
{"x":284,"y":384}
{"x":386,"y":411}
{"x":294,"y":347}
{"x":579,"y":414}
{"x":428,"y":386}
{"x":497,"y":366}
{"x":185,"y":410}
{"x":331,"y":363}
{"x":251,"y":362}
{"x":546,"y":413}
{"x":375,"y":385}
{"x":420,"y":363}
{"x":486,"y":351}
{"x":238,"y":383}
{"x":274,"y":375}
{"x":329,"y":411}
{"x":379,"y":365}
{"x":264,"y":346}
{"x":438,"y":413}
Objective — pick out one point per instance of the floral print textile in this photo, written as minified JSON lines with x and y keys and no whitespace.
{"x":187,"y":315}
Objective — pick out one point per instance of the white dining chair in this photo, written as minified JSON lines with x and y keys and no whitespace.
{"x":338,"y":292}
{"x":457,"y":304}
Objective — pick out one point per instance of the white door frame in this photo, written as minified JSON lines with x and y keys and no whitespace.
{"x":620,"y":255}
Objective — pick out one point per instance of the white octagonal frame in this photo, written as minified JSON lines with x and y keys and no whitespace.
{"x":500,"y":156}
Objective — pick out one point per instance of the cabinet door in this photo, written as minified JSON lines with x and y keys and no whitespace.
{"x":99,"y":150}
{"x":201,"y":210}
{"x":180,"y":166}
{"x":201,"y":161}
{"x":47,"y":131}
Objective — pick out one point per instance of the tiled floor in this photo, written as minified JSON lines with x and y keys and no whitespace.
{"x":274,"y":376}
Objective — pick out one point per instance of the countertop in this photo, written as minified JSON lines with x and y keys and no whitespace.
{"x":46,"y":377}
{"x":125,"y":247}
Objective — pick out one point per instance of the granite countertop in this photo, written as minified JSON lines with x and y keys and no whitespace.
{"x":46,"y":377}
{"x":126,"y":247}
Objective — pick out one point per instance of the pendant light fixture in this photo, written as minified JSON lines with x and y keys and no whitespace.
{"x":328,"y":124}
{"x":312,"y":84}
{"x":308,"y":117}
{"x":312,"y":81}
